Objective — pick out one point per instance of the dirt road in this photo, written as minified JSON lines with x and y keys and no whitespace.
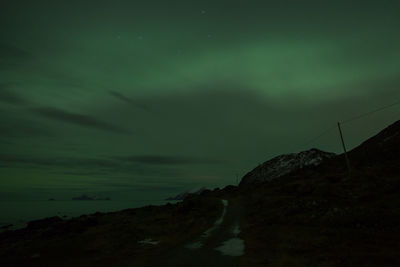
{"x":218,"y":246}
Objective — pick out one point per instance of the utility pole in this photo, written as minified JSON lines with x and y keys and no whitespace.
{"x":344,"y":149}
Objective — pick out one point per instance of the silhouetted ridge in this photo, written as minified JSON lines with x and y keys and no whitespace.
{"x":385,"y":146}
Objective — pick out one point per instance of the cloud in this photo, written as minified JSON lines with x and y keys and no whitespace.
{"x":10,"y":97}
{"x":81,"y":166}
{"x":13,"y":129}
{"x":12,"y":56}
{"x":77,"y":119}
{"x":168,"y":160}
{"x":129,"y":100}
{"x":78,"y":165}
{"x":17,"y":159}
{"x":12,"y":52}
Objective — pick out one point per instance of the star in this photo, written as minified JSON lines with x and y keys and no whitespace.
{"x":203,"y":12}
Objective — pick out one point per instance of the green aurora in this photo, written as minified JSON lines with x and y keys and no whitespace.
{"x":161,"y":96}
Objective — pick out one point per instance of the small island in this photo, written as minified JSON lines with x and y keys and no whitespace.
{"x":183,"y":195}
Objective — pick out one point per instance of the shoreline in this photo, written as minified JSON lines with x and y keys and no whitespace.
{"x":66,"y":211}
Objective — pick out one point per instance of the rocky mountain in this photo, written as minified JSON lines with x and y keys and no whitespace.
{"x":285,"y":164}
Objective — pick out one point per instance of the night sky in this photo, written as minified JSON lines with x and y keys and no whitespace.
{"x":162,"y":96}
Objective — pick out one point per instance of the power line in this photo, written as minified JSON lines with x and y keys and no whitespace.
{"x":370,"y":112}
{"x":320,"y":135}
{"x":350,"y":120}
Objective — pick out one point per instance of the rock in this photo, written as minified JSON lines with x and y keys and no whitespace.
{"x":83,"y":197}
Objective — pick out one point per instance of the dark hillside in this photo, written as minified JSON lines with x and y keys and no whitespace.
{"x":321,"y":216}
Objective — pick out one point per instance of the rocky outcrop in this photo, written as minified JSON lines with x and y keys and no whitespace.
{"x":285,"y":164}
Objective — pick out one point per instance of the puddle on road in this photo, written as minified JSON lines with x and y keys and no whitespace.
{"x":232,"y":247}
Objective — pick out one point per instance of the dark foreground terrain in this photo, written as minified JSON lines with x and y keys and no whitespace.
{"x":108,"y":239}
{"x":316,"y":216}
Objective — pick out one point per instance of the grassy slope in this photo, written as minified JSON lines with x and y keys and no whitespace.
{"x":312,"y":219}
{"x":109,"y":239}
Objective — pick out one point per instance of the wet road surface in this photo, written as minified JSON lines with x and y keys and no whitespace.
{"x":218,"y":246}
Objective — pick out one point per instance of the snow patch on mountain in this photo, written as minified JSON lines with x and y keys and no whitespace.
{"x":285,"y":164}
